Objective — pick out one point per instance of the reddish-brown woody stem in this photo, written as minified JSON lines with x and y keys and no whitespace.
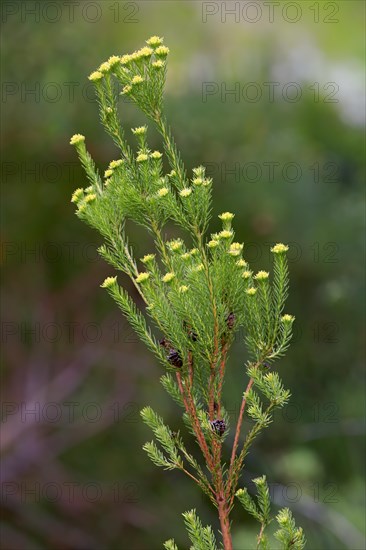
{"x":191,"y":411}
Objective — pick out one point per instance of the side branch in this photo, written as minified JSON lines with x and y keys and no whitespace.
{"x":191,"y":411}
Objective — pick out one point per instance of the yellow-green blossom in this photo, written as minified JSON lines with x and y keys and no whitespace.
{"x":199,"y":172}
{"x":144,"y":52}
{"x":127,"y":90}
{"x":163,"y":191}
{"x":115,"y":163}
{"x":251,"y":291}
{"x":172,"y":173}
{"x":197,"y":181}
{"x":154,"y":41}
{"x":137,"y":79}
{"x":168,"y":277}
{"x":77,"y":194}
{"x":199,"y":267}
{"x":185,"y":192}
{"x":76,"y":138}
{"x":213,"y":244}
{"x":104,"y":67}
{"x":108,"y":173}
{"x":126,"y":59}
{"x":193,"y":251}
{"x":287,"y":318}
{"x":175,"y":245}
{"x":246,"y":274}
{"x":139,"y":131}
{"x":142,"y":157}
{"x":108,"y":282}
{"x":207,"y":182}
{"x":225,"y":234}
{"x":147,"y":258}
{"x":156,"y":155}
{"x":235,"y":249}
{"x":226,"y":216}
{"x":183,"y":289}
{"x":159,"y":64}
{"x":261,"y":275}
{"x":279,"y":248}
{"x":91,"y":197}
{"x":95,"y":76}
{"x":113,"y":61}
{"x":241,"y":263}
{"x":142,"y":277}
{"x":162,"y":51}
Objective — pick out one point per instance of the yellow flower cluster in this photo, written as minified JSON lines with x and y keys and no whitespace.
{"x":139,"y":131}
{"x":261,"y":275}
{"x":168,"y":277}
{"x":183,"y":289}
{"x":279,"y":248}
{"x":187,"y":255}
{"x":142,"y":157}
{"x":185,"y":192}
{"x":287,"y":318}
{"x":76,"y":138}
{"x":199,"y":172}
{"x":137,"y":79}
{"x":77,"y":194}
{"x":158,"y":64}
{"x":143,"y":53}
{"x":175,"y":245}
{"x":156,"y":155}
{"x":225,"y":234}
{"x":154,"y":41}
{"x":251,"y":291}
{"x":90,"y":198}
{"x":162,"y":51}
{"x":226,"y":216}
{"x":95,"y":76}
{"x":147,"y":258}
{"x":115,"y":163}
{"x":127,"y":89}
{"x":108,"y":282}
{"x":142,"y":277}
{"x":235,"y":249}
{"x":163,"y":191}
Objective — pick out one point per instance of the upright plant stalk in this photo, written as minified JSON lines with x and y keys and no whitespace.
{"x":197,"y":296}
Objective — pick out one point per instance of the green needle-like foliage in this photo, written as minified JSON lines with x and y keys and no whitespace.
{"x":198,"y":292}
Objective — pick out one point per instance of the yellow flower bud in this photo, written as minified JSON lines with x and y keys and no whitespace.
{"x":108,"y":282}
{"x":77,"y":138}
{"x":261,"y":275}
{"x":279,"y":248}
{"x":168,"y":277}
{"x":163,"y":191}
{"x":142,"y":277}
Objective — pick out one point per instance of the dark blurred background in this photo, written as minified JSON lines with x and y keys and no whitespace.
{"x":270,"y":97}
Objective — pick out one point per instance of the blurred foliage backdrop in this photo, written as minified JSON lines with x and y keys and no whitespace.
{"x":286,"y":158}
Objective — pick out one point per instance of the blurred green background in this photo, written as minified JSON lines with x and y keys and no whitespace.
{"x":285,"y":149}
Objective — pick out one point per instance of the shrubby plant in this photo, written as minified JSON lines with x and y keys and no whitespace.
{"x":198,"y":293}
